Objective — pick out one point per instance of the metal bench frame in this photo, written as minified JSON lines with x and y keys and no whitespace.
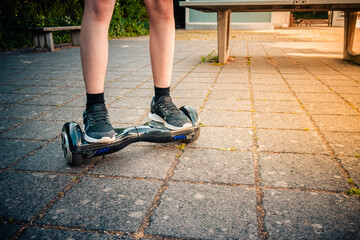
{"x":43,"y":37}
{"x":224,"y":10}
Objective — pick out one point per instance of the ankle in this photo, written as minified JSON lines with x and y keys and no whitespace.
{"x":159,"y":92}
{"x":92,"y":99}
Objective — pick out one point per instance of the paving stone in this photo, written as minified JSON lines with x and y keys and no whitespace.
{"x":12,"y":150}
{"x":228,"y":104}
{"x":300,"y":171}
{"x":43,"y":233}
{"x":132,"y":102}
{"x":193,"y":79}
{"x":124,"y":84}
{"x":343,"y":143}
{"x":206,"y":212}
{"x":351,"y":97}
{"x":103,"y":204}
{"x":231,"y":86}
{"x":193,"y":102}
{"x":270,"y":88}
{"x":273,"y":96}
{"x":238,"y":95}
{"x":283,"y":120}
{"x":39,"y":130}
{"x":18,"y":188}
{"x":49,"y":158}
{"x":215,"y":166}
{"x":8,"y":230}
{"x":310,"y":215}
{"x":222,"y":137}
{"x":145,"y":162}
{"x":346,"y":89}
{"x":352,"y":165}
{"x":290,"y":141}
{"x":36,"y":89}
{"x":319,"y":97}
{"x":50,"y":100}
{"x":235,"y":80}
{"x":194,"y":86}
{"x":266,"y":79}
{"x":15,"y":98}
{"x":277,"y":106}
{"x":141,"y":92}
{"x":330,"y":108}
{"x":226,"y":118}
{"x":6,"y":124}
{"x":70,"y":91}
{"x":189,"y":93}
{"x":338,"y":123}
{"x":25,"y":111}
{"x":130,"y":116}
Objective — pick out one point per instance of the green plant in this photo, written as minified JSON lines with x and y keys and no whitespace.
{"x":354,"y":190}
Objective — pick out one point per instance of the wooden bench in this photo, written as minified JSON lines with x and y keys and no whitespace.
{"x":224,"y":9}
{"x":43,"y":37}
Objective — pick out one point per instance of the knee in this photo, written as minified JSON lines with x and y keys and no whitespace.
{"x":102,"y":10}
{"x":160,"y":10}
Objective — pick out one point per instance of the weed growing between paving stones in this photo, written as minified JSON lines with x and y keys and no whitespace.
{"x":354,"y":191}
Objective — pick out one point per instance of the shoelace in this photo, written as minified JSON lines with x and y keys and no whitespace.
{"x":168,"y":107}
{"x":99,"y":117}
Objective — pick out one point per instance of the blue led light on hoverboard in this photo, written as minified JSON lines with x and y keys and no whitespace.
{"x":179,"y":137}
{"x":102,"y":150}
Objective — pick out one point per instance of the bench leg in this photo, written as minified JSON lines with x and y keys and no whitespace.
{"x":223,"y":25}
{"x":75,"y":37}
{"x":44,"y":41}
{"x":349,"y":33}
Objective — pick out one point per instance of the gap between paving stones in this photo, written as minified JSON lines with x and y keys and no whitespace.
{"x":337,"y":162}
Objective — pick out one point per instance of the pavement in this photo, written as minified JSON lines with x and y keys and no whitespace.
{"x":280,"y":138}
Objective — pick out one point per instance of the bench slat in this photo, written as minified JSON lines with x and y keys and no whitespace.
{"x":66,"y":28}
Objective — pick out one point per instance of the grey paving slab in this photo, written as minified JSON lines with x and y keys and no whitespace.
{"x":50,"y":100}
{"x":231,"y":86}
{"x":57,"y":234}
{"x":193,"y":102}
{"x":290,"y":141}
{"x":8,"y":230}
{"x":194,"y":85}
{"x":12,"y":150}
{"x":343,"y":143}
{"x":189,"y":93}
{"x":195,"y":79}
{"x":103,"y":204}
{"x":300,"y":171}
{"x":215,"y":166}
{"x":140,"y":92}
{"x":270,"y":88}
{"x":36,"y":89}
{"x":49,"y":158}
{"x":273,"y":96}
{"x":39,"y":130}
{"x":228,"y":104}
{"x":6,"y":124}
{"x":69,"y":91}
{"x":25,"y":111}
{"x":144,"y":162}
{"x":330,"y":108}
{"x":206,"y":212}
{"x":352,"y":165}
{"x":236,"y":80}
{"x":118,"y":115}
{"x":223,"y":138}
{"x":319,"y":97}
{"x":283,"y":120}
{"x":228,"y":94}
{"x":124,"y":84}
{"x":18,"y":188}
{"x":338,"y":123}
{"x":277,"y":106}
{"x":15,"y":98}
{"x":65,"y":114}
{"x":226,"y":118}
{"x":132,"y":102}
{"x":310,"y":215}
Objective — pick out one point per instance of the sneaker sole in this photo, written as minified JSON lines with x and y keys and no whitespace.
{"x":157,"y":118}
{"x":102,"y":140}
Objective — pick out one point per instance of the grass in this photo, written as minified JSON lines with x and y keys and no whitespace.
{"x":354,"y":190}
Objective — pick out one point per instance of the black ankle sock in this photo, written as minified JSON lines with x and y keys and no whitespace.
{"x":161,"y":92}
{"x":92,"y":99}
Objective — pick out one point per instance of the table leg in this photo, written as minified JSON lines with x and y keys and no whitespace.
{"x":223,"y":25}
{"x":349,"y":33}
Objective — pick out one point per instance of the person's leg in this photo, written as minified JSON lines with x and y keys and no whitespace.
{"x":162,"y":41}
{"x":94,"y":58}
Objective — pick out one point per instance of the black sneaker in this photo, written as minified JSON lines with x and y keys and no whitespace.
{"x":97,"y":126}
{"x":165,"y":111}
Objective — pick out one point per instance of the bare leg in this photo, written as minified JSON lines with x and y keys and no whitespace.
{"x":162,"y":40}
{"x":94,"y":43}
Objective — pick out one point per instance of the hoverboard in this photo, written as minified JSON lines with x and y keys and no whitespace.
{"x":76,"y":149}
